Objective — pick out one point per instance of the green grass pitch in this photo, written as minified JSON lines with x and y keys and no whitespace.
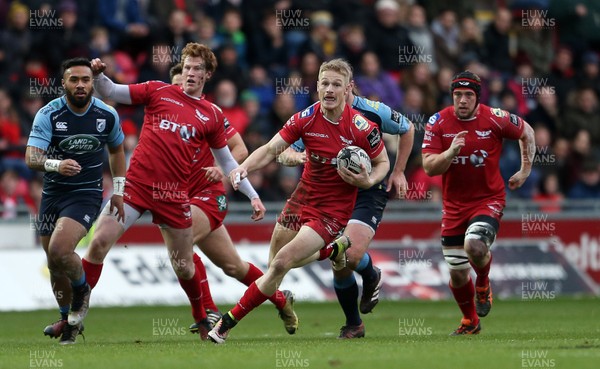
{"x":560,"y":333}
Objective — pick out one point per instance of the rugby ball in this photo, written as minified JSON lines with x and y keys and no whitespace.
{"x":352,"y":157}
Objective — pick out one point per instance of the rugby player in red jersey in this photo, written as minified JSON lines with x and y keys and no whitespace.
{"x":209,"y":208}
{"x":323,"y":201}
{"x":463,"y":143}
{"x":178,"y":121}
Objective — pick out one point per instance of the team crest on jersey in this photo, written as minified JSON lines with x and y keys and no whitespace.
{"x":307,"y":112}
{"x":481,"y":135}
{"x":100,"y":125}
{"x":360,"y":122}
{"x":203,"y":118}
{"x":434,"y":118}
{"x":345,"y":140}
{"x":498,"y":112}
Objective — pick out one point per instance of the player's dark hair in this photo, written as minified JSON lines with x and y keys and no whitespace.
{"x":175,"y":70}
{"x":468,"y":80}
{"x":75,"y":62}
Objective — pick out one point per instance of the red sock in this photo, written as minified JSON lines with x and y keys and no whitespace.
{"x":252,"y":298}
{"x":92,"y":272}
{"x":464,"y":297}
{"x":326,"y":251}
{"x":194,"y":293}
{"x":207,"y":300}
{"x":482,"y":273}
{"x":278,"y":299}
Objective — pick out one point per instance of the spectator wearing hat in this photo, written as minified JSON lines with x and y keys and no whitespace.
{"x":322,"y":39}
{"x":387,"y":37}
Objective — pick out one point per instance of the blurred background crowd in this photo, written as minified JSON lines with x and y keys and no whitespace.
{"x":537,"y":58}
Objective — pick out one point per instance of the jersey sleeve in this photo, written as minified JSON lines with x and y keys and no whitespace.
{"x":116,"y":135}
{"x":291,"y":130}
{"x":216,"y":137}
{"x":371,"y":141}
{"x":511,"y":126}
{"x":140,"y":92}
{"x":390,"y":121}
{"x":432,"y":140}
{"x":41,"y":131}
{"x":229,"y":130}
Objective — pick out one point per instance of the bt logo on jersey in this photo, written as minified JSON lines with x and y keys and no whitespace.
{"x":186,"y":131}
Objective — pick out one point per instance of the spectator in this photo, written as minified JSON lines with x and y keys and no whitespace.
{"x":269,"y":47}
{"x":376,"y":84}
{"x":99,"y":43}
{"x":322,"y":39}
{"x":443,"y":79}
{"x":590,"y":71}
{"x":226,"y":98}
{"x":353,"y":43}
{"x":421,"y":36}
{"x":420,"y":76}
{"x":497,"y":43}
{"x":547,"y":110}
{"x":387,"y":37}
{"x":262,"y":86}
{"x":229,"y":67}
{"x":549,"y":196}
{"x":207,"y":33}
{"x":535,"y":41}
{"x":584,"y":115}
{"x":588,"y":185}
{"x":580,"y":152}
{"x":471,"y":38}
{"x":230,"y":32}
{"x":562,"y":73}
{"x":12,"y":143}
{"x":128,"y":29}
{"x":178,"y":33}
{"x":447,"y":39}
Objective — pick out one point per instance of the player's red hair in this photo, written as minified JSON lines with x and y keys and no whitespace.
{"x":195,"y":49}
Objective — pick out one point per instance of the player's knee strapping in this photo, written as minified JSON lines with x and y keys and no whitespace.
{"x":481,"y":231}
{"x":456,"y":259}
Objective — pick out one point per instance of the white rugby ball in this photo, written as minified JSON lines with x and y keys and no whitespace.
{"x":352,"y":157}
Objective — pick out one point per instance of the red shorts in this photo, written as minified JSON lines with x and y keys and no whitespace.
{"x":168,"y":205}
{"x":456,"y":221}
{"x":295,"y":214}
{"x":213,"y":203}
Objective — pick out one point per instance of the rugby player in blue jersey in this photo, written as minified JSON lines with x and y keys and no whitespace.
{"x":67,"y":142}
{"x":366,"y":216}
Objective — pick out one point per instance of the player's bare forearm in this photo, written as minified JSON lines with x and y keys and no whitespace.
{"x":527,"y":145}
{"x":265,"y":154}
{"x":436,"y":164}
{"x":35,"y":158}
{"x":238,"y":148}
{"x":405,"y":145}
{"x":380,"y":168}
{"x":116,"y":160}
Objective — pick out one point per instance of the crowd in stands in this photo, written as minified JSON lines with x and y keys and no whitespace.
{"x":539,"y":59}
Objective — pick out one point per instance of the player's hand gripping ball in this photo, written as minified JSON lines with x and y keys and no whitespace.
{"x":352,"y":157}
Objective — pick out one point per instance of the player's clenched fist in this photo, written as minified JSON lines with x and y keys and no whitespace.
{"x":457,"y":143}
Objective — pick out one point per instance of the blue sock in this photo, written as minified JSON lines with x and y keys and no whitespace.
{"x":80,"y":282}
{"x":365,"y":268}
{"x":64,"y":311}
{"x":347,"y":293}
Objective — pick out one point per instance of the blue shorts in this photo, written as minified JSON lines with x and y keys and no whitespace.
{"x":369,"y":206}
{"x":83,"y":207}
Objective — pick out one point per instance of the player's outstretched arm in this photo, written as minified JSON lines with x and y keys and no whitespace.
{"x":380,"y":167}
{"x":118,"y":167}
{"x":397,"y":180}
{"x":436,"y":164}
{"x":258,"y":159}
{"x":527,"y":145}
{"x":106,"y":87}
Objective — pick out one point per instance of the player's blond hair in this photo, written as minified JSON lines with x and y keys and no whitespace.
{"x":195,"y":49}
{"x":340,"y":66}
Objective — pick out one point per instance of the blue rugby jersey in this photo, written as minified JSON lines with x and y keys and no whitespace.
{"x":388,"y":120}
{"x":64,"y":134}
